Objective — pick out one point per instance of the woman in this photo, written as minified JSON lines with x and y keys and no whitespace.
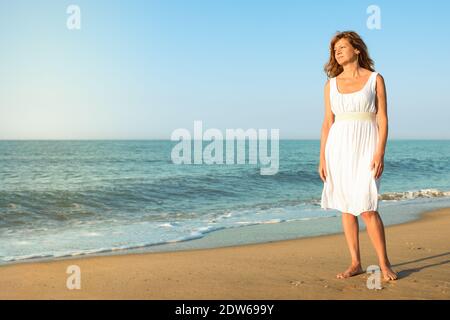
{"x":353,"y":142}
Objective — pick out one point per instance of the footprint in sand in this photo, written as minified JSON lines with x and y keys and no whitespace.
{"x":296,"y":283}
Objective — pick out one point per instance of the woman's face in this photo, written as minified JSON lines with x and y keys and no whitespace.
{"x":344,"y":51}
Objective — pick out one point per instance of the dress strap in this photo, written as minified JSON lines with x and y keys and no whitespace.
{"x":333,"y":86}
{"x":373,"y":80}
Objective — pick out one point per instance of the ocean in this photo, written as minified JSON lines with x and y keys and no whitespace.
{"x":71,"y":198}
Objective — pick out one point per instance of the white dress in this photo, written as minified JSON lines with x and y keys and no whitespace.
{"x":350,"y":185}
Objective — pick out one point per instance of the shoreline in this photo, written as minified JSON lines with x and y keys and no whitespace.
{"x":219,"y":238}
{"x":302,"y":268}
{"x":227,"y":237}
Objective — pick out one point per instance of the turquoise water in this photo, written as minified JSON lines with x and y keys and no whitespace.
{"x":65,"y":198}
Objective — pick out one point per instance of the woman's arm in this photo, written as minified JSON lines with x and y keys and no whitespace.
{"x":382,"y":119}
{"x":382,"y":122}
{"x":327,"y":122}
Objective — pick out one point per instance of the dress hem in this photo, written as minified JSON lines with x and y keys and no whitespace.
{"x":347,"y":211}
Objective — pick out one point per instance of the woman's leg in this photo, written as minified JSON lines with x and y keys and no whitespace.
{"x":375,"y":229}
{"x":351,"y":230}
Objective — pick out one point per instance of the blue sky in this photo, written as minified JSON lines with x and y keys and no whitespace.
{"x":141,"y":69}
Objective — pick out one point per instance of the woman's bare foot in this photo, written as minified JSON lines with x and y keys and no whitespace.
{"x":388,"y":273}
{"x":353,"y":270}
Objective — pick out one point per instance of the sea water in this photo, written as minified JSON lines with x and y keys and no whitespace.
{"x":69,"y":198}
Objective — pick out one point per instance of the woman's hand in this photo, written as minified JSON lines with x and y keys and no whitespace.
{"x":377,"y":165}
{"x":322,"y":170}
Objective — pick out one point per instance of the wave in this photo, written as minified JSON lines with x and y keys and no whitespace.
{"x":410,"y":195}
{"x":397,"y":196}
{"x":196,"y":233}
{"x":289,"y":211}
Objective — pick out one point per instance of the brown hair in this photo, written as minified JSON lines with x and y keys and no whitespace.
{"x":332,"y":68}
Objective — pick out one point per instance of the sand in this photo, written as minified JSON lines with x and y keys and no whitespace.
{"x":291,"y":269}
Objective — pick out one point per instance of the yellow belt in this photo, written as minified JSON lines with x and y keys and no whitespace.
{"x":355,"y":116}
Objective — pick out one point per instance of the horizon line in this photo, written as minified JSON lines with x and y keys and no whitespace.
{"x":165,"y":139}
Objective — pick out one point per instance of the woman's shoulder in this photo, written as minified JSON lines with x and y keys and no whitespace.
{"x":379,"y":76}
{"x":328,"y":84}
{"x":379,"y":79}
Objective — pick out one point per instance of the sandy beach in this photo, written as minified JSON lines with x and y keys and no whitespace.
{"x":291,"y":269}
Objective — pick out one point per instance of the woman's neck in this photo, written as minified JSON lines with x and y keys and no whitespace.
{"x":351,"y":70}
